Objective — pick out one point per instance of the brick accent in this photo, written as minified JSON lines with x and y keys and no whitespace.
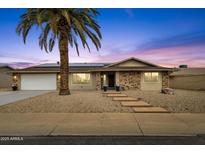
{"x":165,"y":79}
{"x":130,"y":80}
{"x":98,"y":81}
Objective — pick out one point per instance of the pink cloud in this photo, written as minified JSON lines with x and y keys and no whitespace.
{"x":168,"y":57}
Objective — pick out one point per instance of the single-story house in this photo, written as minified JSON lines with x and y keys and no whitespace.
{"x":131,"y":73}
{"x":5,"y":77}
{"x":188,"y":78}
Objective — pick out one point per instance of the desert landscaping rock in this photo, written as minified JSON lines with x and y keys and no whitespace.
{"x":77,"y":102}
{"x":93,"y":102}
{"x":135,"y":104}
{"x":149,"y":110}
{"x":187,"y":101}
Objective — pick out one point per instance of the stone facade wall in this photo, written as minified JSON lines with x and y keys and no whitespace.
{"x":130,"y":80}
{"x":165,"y":79}
{"x":98,"y":81}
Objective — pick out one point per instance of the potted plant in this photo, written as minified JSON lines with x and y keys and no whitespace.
{"x":105,"y":88}
{"x":14,"y":87}
{"x":117,"y":88}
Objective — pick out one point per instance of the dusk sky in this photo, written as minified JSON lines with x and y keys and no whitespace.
{"x":167,"y":37}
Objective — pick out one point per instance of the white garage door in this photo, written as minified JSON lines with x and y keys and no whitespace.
{"x":38,"y":82}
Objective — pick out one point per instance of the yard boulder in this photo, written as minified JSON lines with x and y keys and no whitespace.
{"x":167,"y":91}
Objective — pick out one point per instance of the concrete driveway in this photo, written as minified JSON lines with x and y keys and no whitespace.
{"x":13,"y":96}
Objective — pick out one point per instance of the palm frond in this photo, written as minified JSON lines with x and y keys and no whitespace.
{"x":79,"y":25}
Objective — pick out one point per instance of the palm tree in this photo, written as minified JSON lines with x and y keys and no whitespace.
{"x":68,"y":27}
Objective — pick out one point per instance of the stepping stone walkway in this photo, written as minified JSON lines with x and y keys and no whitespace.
{"x":124,"y":99}
{"x":116,"y":95}
{"x":150,"y":110}
{"x":135,"y":104}
{"x":138,"y":106}
{"x":112,"y":92}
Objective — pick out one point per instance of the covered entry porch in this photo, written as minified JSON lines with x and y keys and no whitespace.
{"x":109,"y":79}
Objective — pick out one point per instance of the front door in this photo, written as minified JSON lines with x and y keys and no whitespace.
{"x":111,"y":80}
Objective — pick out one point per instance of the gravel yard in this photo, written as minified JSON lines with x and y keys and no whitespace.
{"x":181,"y":101}
{"x":77,"y":102}
{"x":94,"y":102}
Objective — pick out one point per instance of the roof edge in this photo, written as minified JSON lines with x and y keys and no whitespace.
{"x":7,"y":66}
{"x":133,"y":58}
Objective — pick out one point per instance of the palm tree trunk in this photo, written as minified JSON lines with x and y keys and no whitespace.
{"x":64,"y":68}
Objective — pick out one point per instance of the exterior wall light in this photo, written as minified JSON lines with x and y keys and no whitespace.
{"x":14,"y":77}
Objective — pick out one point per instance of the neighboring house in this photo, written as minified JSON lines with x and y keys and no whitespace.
{"x":188,"y":78}
{"x":5,"y":77}
{"x":131,"y":73}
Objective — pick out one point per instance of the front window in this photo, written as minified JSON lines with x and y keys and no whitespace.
{"x":81,"y":78}
{"x":151,"y":77}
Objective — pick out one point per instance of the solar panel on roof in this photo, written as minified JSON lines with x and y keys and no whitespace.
{"x":3,"y":65}
{"x":74,"y":65}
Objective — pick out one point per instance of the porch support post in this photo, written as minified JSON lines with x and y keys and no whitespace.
{"x":165,"y":80}
{"x":98,"y":81}
{"x":117,"y":79}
